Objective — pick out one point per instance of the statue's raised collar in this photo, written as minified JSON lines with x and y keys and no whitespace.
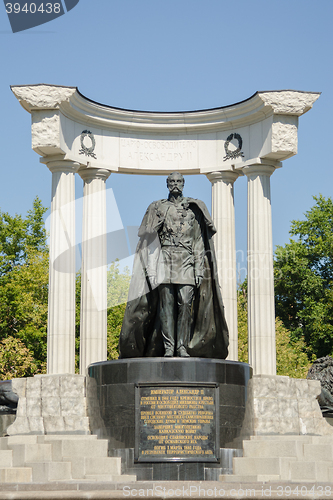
{"x":182,"y":201}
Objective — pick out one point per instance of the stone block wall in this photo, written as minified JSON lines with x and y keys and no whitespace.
{"x":282,"y":405}
{"x":50,"y":404}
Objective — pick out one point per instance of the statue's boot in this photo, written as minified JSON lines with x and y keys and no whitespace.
{"x":182,"y":352}
{"x":169,"y":345}
{"x":169,"y":354}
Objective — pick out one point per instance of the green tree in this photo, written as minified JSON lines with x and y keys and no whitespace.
{"x":77,"y":320}
{"x":16,"y":360}
{"x":115,"y":320}
{"x":24,"y":288}
{"x":303,"y":271}
{"x":291,"y":357}
{"x":18,"y":235}
{"x":118,"y":285}
{"x":242,"y":323}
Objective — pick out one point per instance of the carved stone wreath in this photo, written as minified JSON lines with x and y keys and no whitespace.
{"x":84,"y":150}
{"x":230,"y":155}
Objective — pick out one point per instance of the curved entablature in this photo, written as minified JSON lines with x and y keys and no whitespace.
{"x":64,"y":122}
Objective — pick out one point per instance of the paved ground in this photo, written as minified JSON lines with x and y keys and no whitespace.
{"x":164,"y":489}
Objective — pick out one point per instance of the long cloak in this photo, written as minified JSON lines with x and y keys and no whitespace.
{"x":140,"y":334}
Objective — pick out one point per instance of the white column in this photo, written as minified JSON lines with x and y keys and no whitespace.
{"x":61,"y":308}
{"x":223,"y":214}
{"x":261,"y":309}
{"x":93,"y":335}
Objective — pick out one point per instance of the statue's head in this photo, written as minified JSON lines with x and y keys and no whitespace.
{"x":175,"y":183}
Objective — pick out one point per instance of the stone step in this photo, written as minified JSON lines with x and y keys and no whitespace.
{"x":322,"y":440}
{"x":282,"y":437}
{"x":51,"y":471}
{"x":46,"y":458}
{"x":111,"y":478}
{"x":99,"y":477}
{"x":6,"y":442}
{"x":249,"y":466}
{"x":83,"y":466}
{"x":63,"y":449}
{"x":124,"y":478}
{"x":16,"y":475}
{"x":26,"y":453}
{"x":48,"y":438}
{"x":6,"y":458}
{"x":233,"y":478}
{"x":273,"y":449}
{"x":107,"y":465}
{"x":286,"y":458}
{"x":304,"y":439}
{"x":308,"y":471}
{"x":78,"y":467}
{"x":302,"y":449}
{"x":320,"y":452}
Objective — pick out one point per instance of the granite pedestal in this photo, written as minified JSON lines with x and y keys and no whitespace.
{"x":114,"y":383}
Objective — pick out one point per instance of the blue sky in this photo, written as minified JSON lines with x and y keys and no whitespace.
{"x":169,"y":56}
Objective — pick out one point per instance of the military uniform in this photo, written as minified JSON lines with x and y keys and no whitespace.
{"x":175,"y":236}
{"x":174,"y":267}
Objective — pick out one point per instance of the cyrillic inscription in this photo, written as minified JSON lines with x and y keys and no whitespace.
{"x":138,"y":150}
{"x":176,"y":423}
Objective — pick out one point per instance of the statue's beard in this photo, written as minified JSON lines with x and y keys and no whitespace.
{"x":176,"y":190}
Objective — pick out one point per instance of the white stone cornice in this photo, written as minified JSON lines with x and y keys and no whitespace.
{"x":289,"y":102}
{"x":64,"y":122}
{"x":251,"y":110}
{"x":76,"y":106}
{"x":42,"y":96}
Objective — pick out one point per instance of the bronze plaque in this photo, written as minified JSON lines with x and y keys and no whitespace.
{"x":176,"y":422}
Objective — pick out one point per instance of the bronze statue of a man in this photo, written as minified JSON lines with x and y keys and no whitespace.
{"x":175,"y":306}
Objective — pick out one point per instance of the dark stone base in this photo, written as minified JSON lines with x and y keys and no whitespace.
{"x":116,"y":395}
{"x":182,"y":471}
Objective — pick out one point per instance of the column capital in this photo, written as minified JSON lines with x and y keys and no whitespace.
{"x":260,"y":166}
{"x":57,"y":163}
{"x":90,"y":173}
{"x":254,"y":170}
{"x":224,"y":175}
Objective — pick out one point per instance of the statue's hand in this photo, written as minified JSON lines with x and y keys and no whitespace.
{"x":198,"y":280}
